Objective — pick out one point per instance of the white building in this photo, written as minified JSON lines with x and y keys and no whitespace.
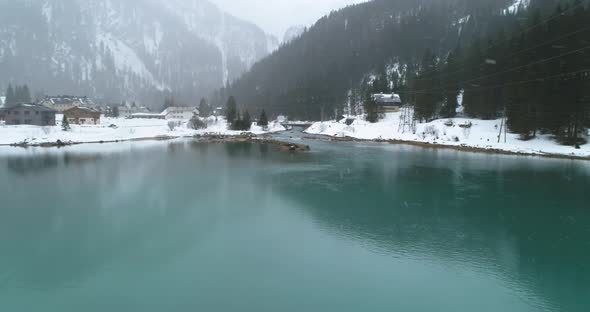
{"x":388,"y":103}
{"x":128,"y":112}
{"x":61,"y":103}
{"x":180,"y":113}
{"x":147,"y":116}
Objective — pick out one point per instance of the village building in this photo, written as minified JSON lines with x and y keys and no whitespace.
{"x":180,"y":113}
{"x":127,"y":111}
{"x":29,"y":114}
{"x":61,"y":103}
{"x":147,"y":116}
{"x":82,"y":116}
{"x":218,"y":111}
{"x":388,"y":103}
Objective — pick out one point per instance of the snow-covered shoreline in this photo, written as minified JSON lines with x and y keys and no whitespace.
{"x":482,"y":136}
{"x":118,"y":130}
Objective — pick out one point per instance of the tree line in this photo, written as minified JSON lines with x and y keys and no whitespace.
{"x":537,"y":76}
{"x":17,"y":95}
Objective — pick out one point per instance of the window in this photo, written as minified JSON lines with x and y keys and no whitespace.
{"x":28,"y":121}
{"x":27,"y":112}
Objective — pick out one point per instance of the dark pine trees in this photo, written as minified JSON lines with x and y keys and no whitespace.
{"x":231,"y":110}
{"x":263,"y":119}
{"x":204,"y":109}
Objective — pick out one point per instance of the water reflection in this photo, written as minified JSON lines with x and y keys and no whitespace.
{"x":95,"y":210}
{"x":67,"y":218}
{"x":527,"y":222}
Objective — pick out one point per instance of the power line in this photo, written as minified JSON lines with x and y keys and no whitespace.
{"x":510,"y":69}
{"x":526,"y":30}
{"x":511,"y":55}
{"x":540,"y":79}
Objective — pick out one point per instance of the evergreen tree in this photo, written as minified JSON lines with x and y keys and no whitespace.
{"x":65,"y":124}
{"x":371,"y":108}
{"x":452,"y":87}
{"x":231,"y":110}
{"x":263,"y":119}
{"x":246,"y":121}
{"x":204,"y":109}
{"x":10,"y":97}
{"x":426,"y":95}
{"x":26,"y":94}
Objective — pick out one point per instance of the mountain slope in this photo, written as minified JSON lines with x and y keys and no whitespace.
{"x":136,"y":50}
{"x":311,"y":76}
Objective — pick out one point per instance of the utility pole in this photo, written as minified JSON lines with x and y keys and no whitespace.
{"x":503,"y":126}
{"x":407,"y":121}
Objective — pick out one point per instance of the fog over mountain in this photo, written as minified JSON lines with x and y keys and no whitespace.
{"x":132,"y":50}
{"x":277,"y":16}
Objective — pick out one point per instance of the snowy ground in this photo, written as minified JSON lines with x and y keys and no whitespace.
{"x":483,"y":135}
{"x":126,"y":129}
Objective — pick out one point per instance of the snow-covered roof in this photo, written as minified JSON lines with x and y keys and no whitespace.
{"x":84,"y":108}
{"x":175,"y":110}
{"x":67,"y":99}
{"x":392,"y":98}
{"x":34,"y":107}
{"x":148,"y":115}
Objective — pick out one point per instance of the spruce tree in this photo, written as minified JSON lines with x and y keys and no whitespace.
{"x":246,"y":121}
{"x":263,"y":119}
{"x":204,"y":110}
{"x":18,"y":95}
{"x":10,"y":97}
{"x":371,"y":108}
{"x":65,"y":124}
{"x":427,"y":95}
{"x":231,"y":110}
{"x":26,"y":94}
{"x":452,"y":87}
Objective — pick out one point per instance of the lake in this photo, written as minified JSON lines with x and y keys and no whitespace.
{"x":187,"y":226}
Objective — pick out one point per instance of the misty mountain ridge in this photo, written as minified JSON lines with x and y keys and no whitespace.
{"x":131,"y":50}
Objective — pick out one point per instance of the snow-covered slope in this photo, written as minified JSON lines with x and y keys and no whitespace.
{"x":483,"y":135}
{"x":126,"y":129}
{"x":125,"y":48}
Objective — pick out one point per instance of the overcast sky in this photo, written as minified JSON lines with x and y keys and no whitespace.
{"x":276,"y":16}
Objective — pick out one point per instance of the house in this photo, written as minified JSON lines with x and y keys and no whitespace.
{"x":147,"y":116}
{"x":388,"y":103}
{"x":127,"y":111}
{"x":82,"y":116}
{"x":180,"y":113}
{"x":29,"y":114}
{"x":218,"y":111}
{"x":61,"y":103}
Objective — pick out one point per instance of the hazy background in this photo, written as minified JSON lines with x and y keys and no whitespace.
{"x":276,"y":16}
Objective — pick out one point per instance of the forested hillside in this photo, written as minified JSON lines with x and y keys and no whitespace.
{"x":528,"y":59}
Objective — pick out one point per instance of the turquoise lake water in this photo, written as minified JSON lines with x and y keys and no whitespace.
{"x":188,"y":226}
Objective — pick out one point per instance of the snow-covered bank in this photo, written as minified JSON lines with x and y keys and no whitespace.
{"x":483,"y":135}
{"x":117,"y":129}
